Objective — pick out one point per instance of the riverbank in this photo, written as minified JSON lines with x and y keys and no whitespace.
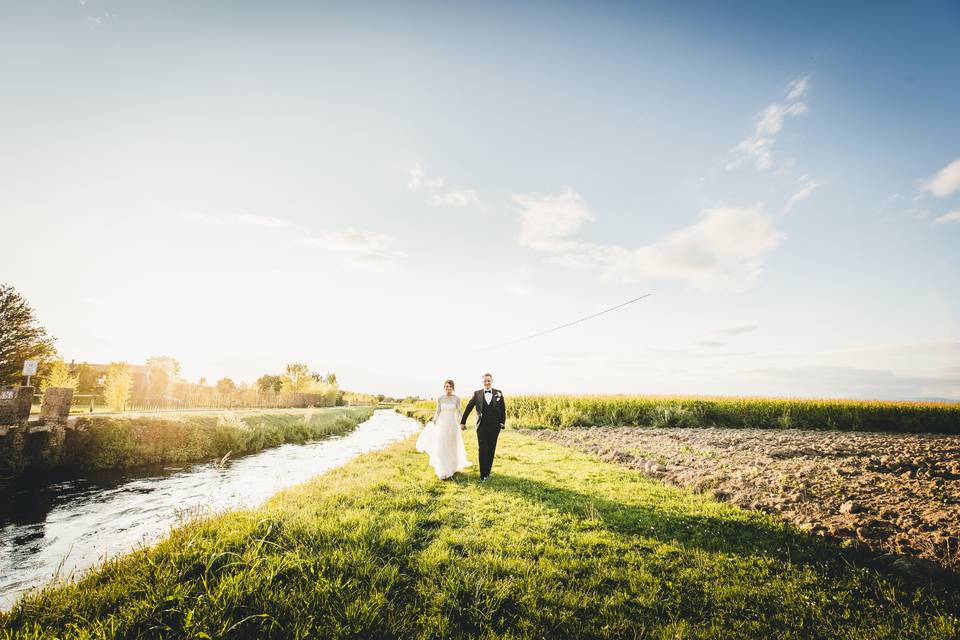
{"x":556,"y":544}
{"x":130,"y":440}
{"x":66,"y":526}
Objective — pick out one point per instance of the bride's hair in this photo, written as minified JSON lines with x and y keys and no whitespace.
{"x":450,"y":382}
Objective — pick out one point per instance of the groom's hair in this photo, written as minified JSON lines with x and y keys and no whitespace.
{"x":488,"y":374}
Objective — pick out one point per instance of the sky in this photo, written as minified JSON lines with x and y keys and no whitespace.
{"x":391,"y":190}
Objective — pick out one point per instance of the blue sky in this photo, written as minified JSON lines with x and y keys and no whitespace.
{"x":386,"y":190}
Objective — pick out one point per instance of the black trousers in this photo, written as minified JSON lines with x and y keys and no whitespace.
{"x":487,"y":438}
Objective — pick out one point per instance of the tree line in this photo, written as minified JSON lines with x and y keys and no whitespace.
{"x":158,"y":381}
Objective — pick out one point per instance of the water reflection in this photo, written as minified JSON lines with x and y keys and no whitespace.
{"x":80,"y":521}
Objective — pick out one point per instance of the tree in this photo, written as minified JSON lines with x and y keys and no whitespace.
{"x":118,"y":386}
{"x":202,"y":381}
{"x":267,"y":383}
{"x":331,"y":378}
{"x":226,"y":385}
{"x":296,"y":378}
{"x":21,"y":337}
{"x":163,"y":371}
{"x":87,"y":378}
{"x":170,"y":365}
{"x":58,"y":375}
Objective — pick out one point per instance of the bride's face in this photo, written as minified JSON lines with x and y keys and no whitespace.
{"x":448,"y":388}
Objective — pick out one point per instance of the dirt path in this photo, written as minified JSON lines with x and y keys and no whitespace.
{"x":893,"y":493}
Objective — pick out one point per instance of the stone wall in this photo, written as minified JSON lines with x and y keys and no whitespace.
{"x":15,"y":405}
{"x":56,"y":405}
{"x":32,"y":444}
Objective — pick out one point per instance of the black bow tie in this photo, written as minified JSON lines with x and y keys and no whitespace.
{"x":488,"y":391}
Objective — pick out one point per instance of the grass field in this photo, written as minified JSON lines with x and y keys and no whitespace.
{"x":556,"y":544}
{"x":562,"y":411}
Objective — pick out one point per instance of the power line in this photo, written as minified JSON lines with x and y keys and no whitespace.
{"x":569,"y":324}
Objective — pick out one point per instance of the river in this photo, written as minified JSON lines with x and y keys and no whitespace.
{"x":71,"y":525}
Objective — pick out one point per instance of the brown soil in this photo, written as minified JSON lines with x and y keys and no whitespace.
{"x":892,"y":493}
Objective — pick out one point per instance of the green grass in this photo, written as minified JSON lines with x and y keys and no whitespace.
{"x":556,"y":544}
{"x":114,"y":442}
{"x":422,"y":411}
{"x":563,"y":411}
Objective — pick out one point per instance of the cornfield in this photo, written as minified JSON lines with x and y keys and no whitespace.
{"x":563,"y":411}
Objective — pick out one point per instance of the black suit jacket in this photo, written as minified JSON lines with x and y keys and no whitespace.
{"x":497,"y":407}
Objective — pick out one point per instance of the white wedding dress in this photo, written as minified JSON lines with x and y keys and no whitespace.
{"x":441,"y":438}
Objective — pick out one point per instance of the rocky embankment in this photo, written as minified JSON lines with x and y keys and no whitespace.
{"x":896,"y":494}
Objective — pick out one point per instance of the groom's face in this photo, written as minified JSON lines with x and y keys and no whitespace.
{"x":487,"y":382}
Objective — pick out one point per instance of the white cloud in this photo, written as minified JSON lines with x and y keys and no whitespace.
{"x":757,"y":146}
{"x":356,"y":240}
{"x":740,"y":328}
{"x":362,"y":245}
{"x":365,"y":246}
{"x":458,"y":198}
{"x":418,"y":180}
{"x":266,"y":221}
{"x":953,"y":216}
{"x":587,"y":256}
{"x":797,"y":88}
{"x":945,"y":182}
{"x":434,"y":187}
{"x":416,"y":177}
{"x":98,"y":21}
{"x":771,"y":120}
{"x":807,"y":185}
{"x":724,"y":251}
{"x":785,"y":168}
{"x":203,"y":218}
{"x":546,"y":222}
{"x":915,"y":208}
{"x":242,"y":220}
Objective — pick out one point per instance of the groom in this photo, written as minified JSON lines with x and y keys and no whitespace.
{"x":491,"y":415}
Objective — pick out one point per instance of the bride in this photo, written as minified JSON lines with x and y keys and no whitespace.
{"x":441,"y":438}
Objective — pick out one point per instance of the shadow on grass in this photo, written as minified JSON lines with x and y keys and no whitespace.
{"x":753,"y":537}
